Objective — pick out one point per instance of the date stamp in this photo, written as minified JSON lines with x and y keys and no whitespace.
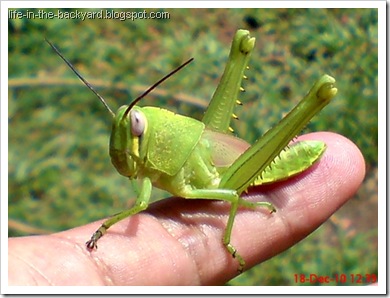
{"x":351,"y":279}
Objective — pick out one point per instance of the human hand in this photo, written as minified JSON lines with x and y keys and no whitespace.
{"x":179,"y":242}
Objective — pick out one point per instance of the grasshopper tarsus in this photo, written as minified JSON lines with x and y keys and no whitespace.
{"x":91,"y":244}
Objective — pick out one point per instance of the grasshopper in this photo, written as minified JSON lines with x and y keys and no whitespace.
{"x":202,"y":159}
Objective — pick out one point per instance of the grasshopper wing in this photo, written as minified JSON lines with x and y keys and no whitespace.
{"x":224,"y":148}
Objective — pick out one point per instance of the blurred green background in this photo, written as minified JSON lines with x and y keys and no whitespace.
{"x":60,"y":175}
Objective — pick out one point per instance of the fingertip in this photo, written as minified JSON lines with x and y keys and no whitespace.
{"x":342,"y":162}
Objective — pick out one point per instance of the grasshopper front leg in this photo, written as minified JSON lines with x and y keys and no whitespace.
{"x":140,"y":205}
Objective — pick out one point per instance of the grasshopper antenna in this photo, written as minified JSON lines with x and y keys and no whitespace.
{"x":150,"y":89}
{"x":80,"y":77}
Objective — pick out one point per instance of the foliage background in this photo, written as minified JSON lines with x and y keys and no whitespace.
{"x":60,"y":174}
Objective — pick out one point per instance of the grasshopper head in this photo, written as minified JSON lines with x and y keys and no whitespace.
{"x":128,"y":127}
{"x":127,"y":132}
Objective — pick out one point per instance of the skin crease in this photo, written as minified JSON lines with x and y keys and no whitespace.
{"x":178,"y":242}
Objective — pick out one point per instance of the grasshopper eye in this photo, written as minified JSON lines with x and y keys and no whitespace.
{"x":137,"y":123}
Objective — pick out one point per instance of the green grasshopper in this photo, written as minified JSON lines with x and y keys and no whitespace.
{"x":202,"y":159}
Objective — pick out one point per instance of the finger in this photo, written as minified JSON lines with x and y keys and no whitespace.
{"x":178,"y":242}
